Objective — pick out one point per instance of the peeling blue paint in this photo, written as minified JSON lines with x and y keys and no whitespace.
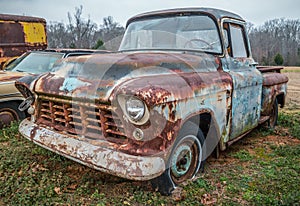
{"x":71,"y":83}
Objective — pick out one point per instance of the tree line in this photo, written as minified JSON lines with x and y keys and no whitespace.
{"x":276,"y":42}
{"x":84,"y":33}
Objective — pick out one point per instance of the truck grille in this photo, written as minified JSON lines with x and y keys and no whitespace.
{"x":88,"y":120}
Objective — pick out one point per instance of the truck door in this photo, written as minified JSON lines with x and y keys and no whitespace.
{"x":247,"y":81}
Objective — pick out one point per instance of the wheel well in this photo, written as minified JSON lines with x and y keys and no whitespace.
{"x":12,"y":101}
{"x":204,"y":122}
{"x":208,"y":126}
{"x":16,"y":103}
{"x":281,"y":99}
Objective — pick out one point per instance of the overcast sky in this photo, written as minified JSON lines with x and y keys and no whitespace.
{"x":255,"y":11}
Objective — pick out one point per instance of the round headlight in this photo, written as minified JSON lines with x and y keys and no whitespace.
{"x":135,"y":108}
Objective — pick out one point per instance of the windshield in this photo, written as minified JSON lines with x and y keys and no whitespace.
{"x":37,"y":62}
{"x":198,"y":33}
{"x":14,"y":62}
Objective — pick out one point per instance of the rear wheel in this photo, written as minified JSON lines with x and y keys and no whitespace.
{"x":273,"y":115}
{"x":9,"y":112}
{"x":185,"y":159}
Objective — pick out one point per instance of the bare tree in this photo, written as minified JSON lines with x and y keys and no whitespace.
{"x":58,"y":35}
{"x":111,"y":33}
{"x":82,"y":30}
{"x":82,"y":33}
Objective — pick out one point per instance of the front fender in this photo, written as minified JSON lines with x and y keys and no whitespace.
{"x":172,"y":100}
{"x":8,"y":92}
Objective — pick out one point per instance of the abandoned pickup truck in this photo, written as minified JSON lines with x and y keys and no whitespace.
{"x":183,"y":85}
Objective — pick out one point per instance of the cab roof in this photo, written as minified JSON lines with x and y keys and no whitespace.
{"x":216,"y":13}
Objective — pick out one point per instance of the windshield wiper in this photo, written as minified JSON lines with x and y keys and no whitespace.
{"x":19,"y":70}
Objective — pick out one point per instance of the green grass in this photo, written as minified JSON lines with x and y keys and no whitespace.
{"x":291,"y":121}
{"x":243,"y":155}
{"x":261,"y":169}
{"x":290,"y":70}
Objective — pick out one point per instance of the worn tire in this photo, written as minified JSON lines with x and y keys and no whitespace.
{"x":272,"y":122}
{"x":9,"y":112}
{"x":184,"y":161}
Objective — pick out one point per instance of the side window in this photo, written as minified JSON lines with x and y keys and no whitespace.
{"x":238,"y":43}
{"x":226,"y":38}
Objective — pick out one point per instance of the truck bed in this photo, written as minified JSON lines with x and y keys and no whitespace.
{"x":265,"y":69}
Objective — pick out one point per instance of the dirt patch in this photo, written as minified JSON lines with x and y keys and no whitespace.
{"x":279,"y":140}
{"x":293,"y":96}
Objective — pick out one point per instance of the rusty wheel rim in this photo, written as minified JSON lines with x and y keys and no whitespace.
{"x":7,"y":116}
{"x":185,"y":158}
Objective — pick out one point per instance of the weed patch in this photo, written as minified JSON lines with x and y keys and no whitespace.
{"x":292,"y":122}
{"x":243,"y":155}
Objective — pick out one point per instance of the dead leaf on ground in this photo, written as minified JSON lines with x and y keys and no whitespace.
{"x":73,"y":186}
{"x":178,"y":194}
{"x":57,"y":190}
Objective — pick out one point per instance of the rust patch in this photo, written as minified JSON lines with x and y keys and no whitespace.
{"x":159,"y":89}
{"x":273,"y":69}
{"x":274,"y":78}
{"x":159,"y":144}
{"x":33,"y":133}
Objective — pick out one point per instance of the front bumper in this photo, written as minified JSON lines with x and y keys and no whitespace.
{"x":95,"y":156}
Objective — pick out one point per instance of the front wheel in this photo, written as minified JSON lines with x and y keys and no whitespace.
{"x":185,"y":159}
{"x":9,"y":112}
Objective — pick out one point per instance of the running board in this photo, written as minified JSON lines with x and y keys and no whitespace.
{"x":261,"y":120}
{"x":238,"y":138}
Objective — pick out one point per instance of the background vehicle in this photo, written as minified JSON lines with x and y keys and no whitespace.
{"x":30,"y":63}
{"x":19,"y":34}
{"x":183,"y":85}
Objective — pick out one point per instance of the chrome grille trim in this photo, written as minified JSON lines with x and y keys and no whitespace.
{"x":89,"y":120}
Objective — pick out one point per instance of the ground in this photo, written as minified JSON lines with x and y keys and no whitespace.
{"x":293,"y":98}
{"x":261,"y":169}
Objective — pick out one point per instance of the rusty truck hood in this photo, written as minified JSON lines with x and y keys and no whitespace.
{"x":94,"y":77}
